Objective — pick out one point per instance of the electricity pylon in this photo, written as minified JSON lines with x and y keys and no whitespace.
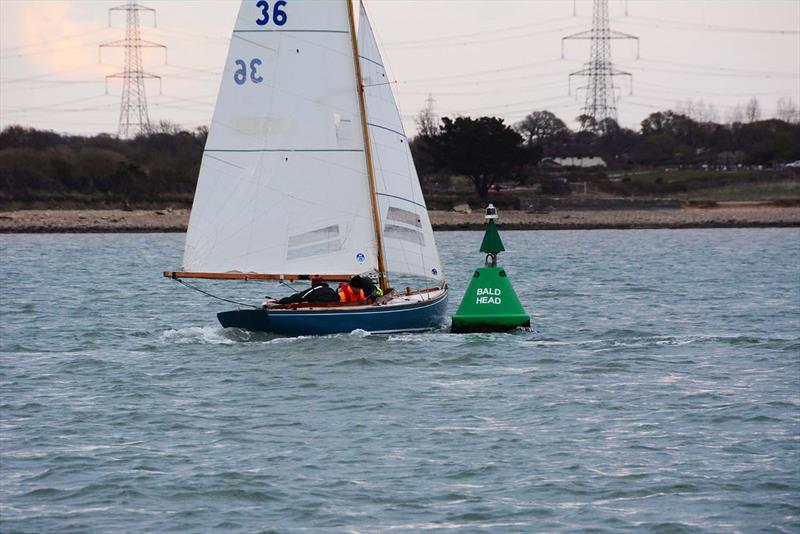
{"x":133,"y":117}
{"x":600,"y":101}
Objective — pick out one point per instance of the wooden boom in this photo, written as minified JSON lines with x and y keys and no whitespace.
{"x":256,"y":276}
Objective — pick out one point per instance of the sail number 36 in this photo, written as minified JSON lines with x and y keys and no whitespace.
{"x":279,"y":19}
{"x":278,"y":15}
{"x":240,"y":75}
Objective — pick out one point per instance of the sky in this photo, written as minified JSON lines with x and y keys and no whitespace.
{"x":499,"y":58}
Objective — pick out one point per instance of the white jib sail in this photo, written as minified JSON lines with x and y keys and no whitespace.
{"x":283,"y":187}
{"x":408,"y":241}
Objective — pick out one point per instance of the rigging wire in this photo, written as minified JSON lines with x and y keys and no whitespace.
{"x":190,"y":286}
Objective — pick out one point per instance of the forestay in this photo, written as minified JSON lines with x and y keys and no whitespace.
{"x":408,"y":241}
{"x":283,"y":184}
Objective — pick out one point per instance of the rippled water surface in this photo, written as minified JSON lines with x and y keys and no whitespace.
{"x":659,"y":390}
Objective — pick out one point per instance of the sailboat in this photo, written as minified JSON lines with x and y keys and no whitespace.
{"x":307,"y":172}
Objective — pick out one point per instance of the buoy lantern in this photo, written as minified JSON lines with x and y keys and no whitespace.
{"x":490,"y":304}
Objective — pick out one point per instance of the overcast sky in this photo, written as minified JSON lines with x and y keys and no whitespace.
{"x":482,"y":57}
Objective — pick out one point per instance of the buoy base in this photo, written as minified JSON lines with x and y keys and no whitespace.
{"x":490,"y":304}
{"x":462,"y":326}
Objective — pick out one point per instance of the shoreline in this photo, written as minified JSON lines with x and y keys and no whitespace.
{"x":735,"y":215}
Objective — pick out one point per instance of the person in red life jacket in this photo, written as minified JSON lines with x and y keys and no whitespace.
{"x":319,"y":292}
{"x":350,"y":293}
{"x":371,"y":291}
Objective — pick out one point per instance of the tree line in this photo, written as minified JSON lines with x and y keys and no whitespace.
{"x":160,"y":167}
{"x":486,"y":150}
{"x":40,"y":167}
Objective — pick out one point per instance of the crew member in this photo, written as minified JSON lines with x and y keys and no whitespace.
{"x":371,"y":291}
{"x":319,"y":292}
{"x":350,"y":293}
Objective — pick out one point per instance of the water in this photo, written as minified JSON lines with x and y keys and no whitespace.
{"x":658,"y":391}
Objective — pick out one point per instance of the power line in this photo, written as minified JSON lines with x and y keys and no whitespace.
{"x":694,"y":26}
{"x":717,"y":68}
{"x":479,"y":72}
{"x":57,"y":107}
{"x":523,"y":89}
{"x":471,"y":42}
{"x":192,"y":36}
{"x":471,"y":35}
{"x":686,"y":91}
{"x":47,"y":75}
{"x":51,"y":41}
{"x":528,"y":103}
{"x":768,"y":75}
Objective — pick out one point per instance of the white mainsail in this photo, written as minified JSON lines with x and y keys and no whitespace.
{"x":408,"y":241}
{"x":283,"y":186}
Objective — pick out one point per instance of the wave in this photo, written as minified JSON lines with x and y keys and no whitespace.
{"x":197,"y":335}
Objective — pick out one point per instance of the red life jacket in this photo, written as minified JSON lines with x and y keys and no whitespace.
{"x":348,"y":294}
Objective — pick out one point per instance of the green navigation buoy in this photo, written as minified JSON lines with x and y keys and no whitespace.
{"x":490,"y":304}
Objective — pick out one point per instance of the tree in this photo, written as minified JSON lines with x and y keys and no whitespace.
{"x":541,"y":127}
{"x":483,"y":149}
{"x":787,"y":111}
{"x":587,"y":122}
{"x":670,"y":123}
{"x":607,"y":126}
{"x":752,"y":110}
{"x":15,"y":136}
{"x":698,"y":110}
{"x":426,"y":120}
{"x":426,"y":159}
{"x":616,"y":144}
{"x":736,"y":114}
{"x":670,"y":136}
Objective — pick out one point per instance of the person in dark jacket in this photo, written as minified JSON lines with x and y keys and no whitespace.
{"x":371,"y":292}
{"x":318,"y":292}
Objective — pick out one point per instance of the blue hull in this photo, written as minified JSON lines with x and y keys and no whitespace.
{"x":377,"y":319}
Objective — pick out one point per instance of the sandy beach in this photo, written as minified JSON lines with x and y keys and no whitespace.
{"x":730,"y":215}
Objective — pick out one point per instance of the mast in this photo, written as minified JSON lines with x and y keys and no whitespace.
{"x":383,"y":279}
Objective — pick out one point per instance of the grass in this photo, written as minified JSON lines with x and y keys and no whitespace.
{"x":749,"y":192}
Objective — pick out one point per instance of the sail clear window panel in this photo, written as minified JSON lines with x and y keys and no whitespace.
{"x":403,"y":216}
